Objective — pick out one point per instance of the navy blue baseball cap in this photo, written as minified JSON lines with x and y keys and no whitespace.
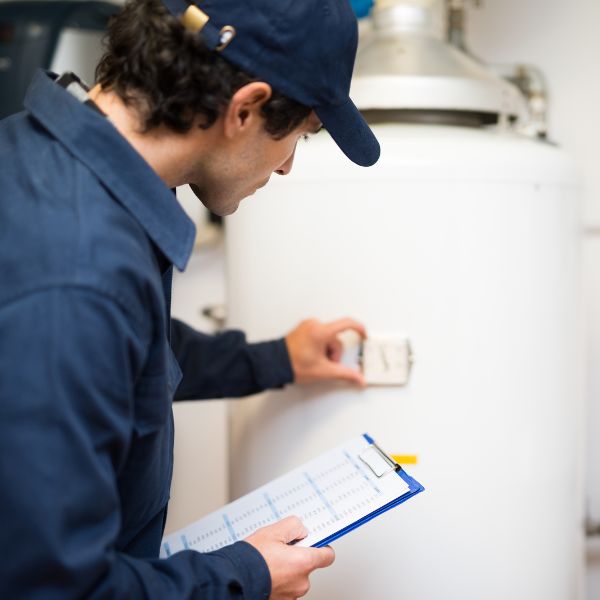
{"x":305,"y":49}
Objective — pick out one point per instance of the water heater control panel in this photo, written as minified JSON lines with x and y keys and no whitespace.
{"x":386,"y":360}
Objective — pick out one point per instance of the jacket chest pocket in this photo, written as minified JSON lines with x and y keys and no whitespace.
{"x":154,"y":393}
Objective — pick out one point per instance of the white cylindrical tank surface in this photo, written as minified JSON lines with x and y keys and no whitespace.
{"x":466,"y":242}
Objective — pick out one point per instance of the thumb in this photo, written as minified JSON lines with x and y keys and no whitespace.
{"x":322,"y":557}
{"x":340,"y":371}
{"x":290,"y":529}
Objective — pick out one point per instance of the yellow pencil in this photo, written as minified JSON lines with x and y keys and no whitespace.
{"x":405,"y":459}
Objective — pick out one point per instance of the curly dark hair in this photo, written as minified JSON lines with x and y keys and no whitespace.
{"x":169,"y":75}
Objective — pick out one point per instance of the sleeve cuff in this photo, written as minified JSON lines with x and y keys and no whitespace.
{"x":250,"y":564}
{"x":271,"y":364}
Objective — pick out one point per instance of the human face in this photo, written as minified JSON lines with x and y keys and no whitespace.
{"x":238,"y":170}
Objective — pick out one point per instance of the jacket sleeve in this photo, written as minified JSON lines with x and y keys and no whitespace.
{"x":68,"y":363}
{"x":226,"y":365}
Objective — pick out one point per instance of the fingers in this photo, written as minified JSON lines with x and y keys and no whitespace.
{"x":335,"y":348}
{"x":289,"y":566}
{"x":315,"y":351}
{"x":340,"y":325}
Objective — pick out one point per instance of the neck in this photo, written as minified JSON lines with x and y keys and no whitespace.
{"x":164,"y":150}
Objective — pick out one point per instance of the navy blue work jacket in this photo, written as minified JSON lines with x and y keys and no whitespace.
{"x":88,"y":237}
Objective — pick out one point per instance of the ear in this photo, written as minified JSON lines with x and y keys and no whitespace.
{"x":244,"y":109}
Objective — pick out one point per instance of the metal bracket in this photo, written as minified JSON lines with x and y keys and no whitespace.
{"x":378,"y":461}
{"x":194,"y":19}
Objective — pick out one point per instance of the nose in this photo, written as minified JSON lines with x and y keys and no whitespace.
{"x":286,"y":167}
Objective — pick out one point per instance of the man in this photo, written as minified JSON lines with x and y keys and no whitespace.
{"x":89,"y":232}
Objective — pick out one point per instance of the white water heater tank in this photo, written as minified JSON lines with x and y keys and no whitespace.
{"x":465,"y":241}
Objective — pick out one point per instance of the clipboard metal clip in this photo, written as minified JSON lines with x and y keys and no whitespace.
{"x":378,"y":461}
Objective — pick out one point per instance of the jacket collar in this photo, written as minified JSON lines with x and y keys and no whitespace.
{"x":94,"y":141}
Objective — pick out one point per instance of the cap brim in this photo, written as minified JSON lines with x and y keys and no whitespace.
{"x":350,"y":132}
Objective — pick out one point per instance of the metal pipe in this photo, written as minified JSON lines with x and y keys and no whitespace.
{"x":531,"y":82}
{"x":425,"y":17}
{"x":456,"y":11}
{"x":527,"y":78}
{"x":456,"y":24}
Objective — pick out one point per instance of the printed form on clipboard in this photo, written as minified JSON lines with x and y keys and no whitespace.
{"x":332,"y":495}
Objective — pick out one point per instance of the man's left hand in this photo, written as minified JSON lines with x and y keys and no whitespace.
{"x":315,"y":351}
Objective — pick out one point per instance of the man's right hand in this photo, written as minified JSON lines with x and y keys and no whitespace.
{"x":289,"y":566}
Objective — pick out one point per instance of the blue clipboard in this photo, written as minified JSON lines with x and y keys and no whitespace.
{"x":414,"y":488}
